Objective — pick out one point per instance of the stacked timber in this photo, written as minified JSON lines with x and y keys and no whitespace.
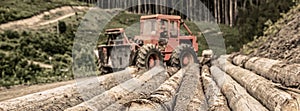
{"x":215,"y":99}
{"x":141,"y":92}
{"x":190,"y":96}
{"x":237,"y":96}
{"x":277,"y":71}
{"x":69,"y":95}
{"x":107,"y":98}
{"x":260,"y":88}
{"x":162,"y":98}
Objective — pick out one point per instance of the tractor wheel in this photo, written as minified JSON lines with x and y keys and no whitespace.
{"x":148,"y":57}
{"x":182,"y":56}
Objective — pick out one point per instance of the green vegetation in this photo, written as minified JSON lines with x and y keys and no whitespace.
{"x":252,"y":18}
{"x":19,"y":48}
{"x":19,"y":9}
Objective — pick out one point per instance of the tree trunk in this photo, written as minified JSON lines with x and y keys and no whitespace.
{"x":215,"y":99}
{"x":187,"y":9}
{"x":191,"y":91}
{"x":226,"y":11}
{"x":215,"y":11}
{"x":219,"y":11}
{"x":260,"y":88}
{"x":161,"y":97}
{"x":277,"y":71}
{"x":235,"y":11}
{"x":142,"y":92}
{"x":191,"y":9}
{"x":67,"y":96}
{"x":109,"y":97}
{"x":156,"y":6}
{"x":237,"y":97}
{"x":231,"y":13}
{"x":139,"y":6}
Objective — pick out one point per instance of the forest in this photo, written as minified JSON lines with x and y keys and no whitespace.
{"x":249,"y":17}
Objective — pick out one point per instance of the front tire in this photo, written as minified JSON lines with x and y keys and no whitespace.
{"x":183,"y":55}
{"x":148,"y":57}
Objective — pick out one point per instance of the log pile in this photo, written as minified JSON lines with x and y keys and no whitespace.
{"x":277,"y":71}
{"x":190,"y":92}
{"x":261,"y":88}
{"x":237,"y":96}
{"x":100,"y":102}
{"x":225,"y":86}
{"x":162,"y":98}
{"x":141,"y":92}
{"x":215,"y":99}
{"x":69,"y":95}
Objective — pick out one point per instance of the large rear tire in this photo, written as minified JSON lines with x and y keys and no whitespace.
{"x":148,"y":57}
{"x":182,"y":56}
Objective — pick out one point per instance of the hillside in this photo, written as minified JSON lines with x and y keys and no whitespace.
{"x":281,"y":40}
{"x":12,"y":10}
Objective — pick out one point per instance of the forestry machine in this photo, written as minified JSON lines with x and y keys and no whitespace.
{"x":160,"y":42}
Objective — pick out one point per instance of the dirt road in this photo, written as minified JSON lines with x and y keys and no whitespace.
{"x":45,"y":18}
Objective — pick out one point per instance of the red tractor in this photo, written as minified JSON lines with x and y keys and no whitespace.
{"x":160,"y":43}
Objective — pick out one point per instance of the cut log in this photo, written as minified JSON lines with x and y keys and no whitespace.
{"x":215,"y":99}
{"x":237,"y":97}
{"x":109,"y":97}
{"x":190,"y":95}
{"x":260,"y":88}
{"x":141,"y":92}
{"x":277,"y":71}
{"x":162,"y":98}
{"x":67,"y":96}
{"x":239,"y":60}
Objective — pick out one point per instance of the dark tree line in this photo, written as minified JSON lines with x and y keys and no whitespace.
{"x":221,"y":11}
{"x":248,"y":16}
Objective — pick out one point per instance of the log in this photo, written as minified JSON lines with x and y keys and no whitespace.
{"x":109,"y":97}
{"x":190,"y":95}
{"x":260,"y":88}
{"x":237,"y":96}
{"x":142,"y":92}
{"x":162,"y":98}
{"x":239,"y":60}
{"x":215,"y":99}
{"x":69,"y":95}
{"x":277,"y":71}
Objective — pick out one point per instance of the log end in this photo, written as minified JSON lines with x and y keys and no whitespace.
{"x":291,"y":105}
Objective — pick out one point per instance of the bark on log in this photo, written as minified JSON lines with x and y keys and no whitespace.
{"x":142,"y":92}
{"x":215,"y":99}
{"x":190,"y":95}
{"x":260,"y":88}
{"x":67,"y":96}
{"x":109,"y":97}
{"x":162,"y":98}
{"x":277,"y":71}
{"x":237,"y":97}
